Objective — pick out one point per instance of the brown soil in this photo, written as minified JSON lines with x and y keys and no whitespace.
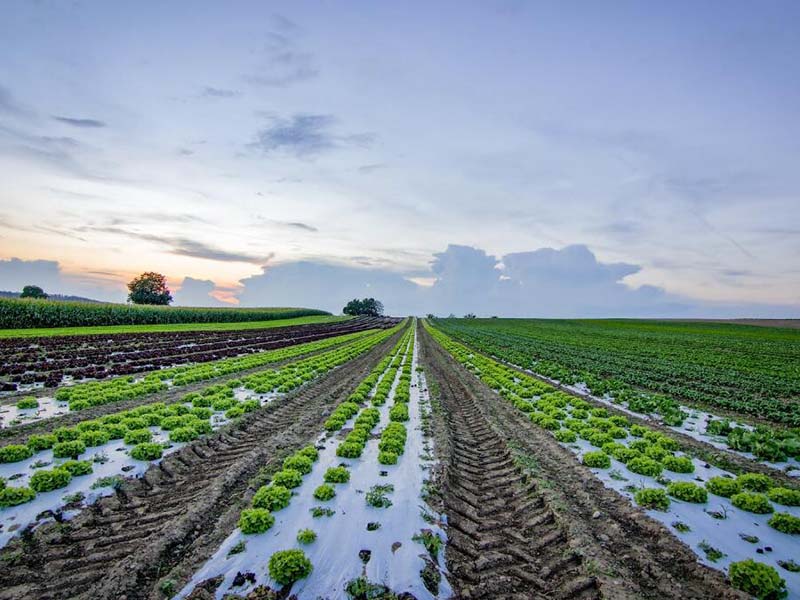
{"x":526,"y":520}
{"x":121,"y":546}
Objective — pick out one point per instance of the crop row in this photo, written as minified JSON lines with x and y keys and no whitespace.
{"x":284,"y":519}
{"x":96,"y":393}
{"x":750,"y":370}
{"x":287,"y":566}
{"x":48,"y":360}
{"x":24,"y":314}
{"x":184,"y":421}
{"x":602,"y":439}
{"x":764,"y":442}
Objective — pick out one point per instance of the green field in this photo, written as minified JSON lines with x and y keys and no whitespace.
{"x":16,"y":313}
{"x":111,"y":329}
{"x":742,"y":368}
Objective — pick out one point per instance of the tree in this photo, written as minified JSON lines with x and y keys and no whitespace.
{"x":470,"y":316}
{"x":368,"y":306}
{"x":33,"y":291}
{"x":149,"y":288}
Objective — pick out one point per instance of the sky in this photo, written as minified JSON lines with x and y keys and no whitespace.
{"x":498,"y":157}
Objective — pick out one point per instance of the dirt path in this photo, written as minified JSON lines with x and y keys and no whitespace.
{"x":525,"y":520}
{"x":122,"y":545}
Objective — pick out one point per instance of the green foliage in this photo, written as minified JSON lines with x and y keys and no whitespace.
{"x":33,"y":292}
{"x":566,"y":436}
{"x":39,"y":442}
{"x":48,"y":480}
{"x":309,"y":452}
{"x":94,"y":437}
{"x":597,"y":459}
{"x":687,"y":491}
{"x":337,"y":475}
{"x":24,"y":314}
{"x":723,"y":486}
{"x":13,"y":496}
{"x":147,"y":451}
{"x":149,"y":288}
{"x":398,"y":412}
{"x":77,"y":467}
{"x":288,"y":566}
{"x":757,"y":579}
{"x":645,"y":466}
{"x":785,"y":523}
{"x":306,"y":536}
{"x":71,"y":449}
{"x":272,"y":497}
{"x":755,"y":482}
{"x":288,"y":478}
{"x":300,"y":463}
{"x":752,"y":502}
{"x":14,"y":453}
{"x":784,"y":496}
{"x":386,"y":457}
{"x":27,"y":402}
{"x":183,"y":434}
{"x":368,"y":306}
{"x":678,"y":464}
{"x":255,"y":520}
{"x":377,"y":496}
{"x":324,"y":492}
{"x":349,"y":450}
{"x":654,"y":498}
{"x":138,"y":436}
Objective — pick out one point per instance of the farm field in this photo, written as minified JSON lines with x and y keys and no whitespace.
{"x":392,"y":460}
{"x":115,"y":329}
{"x":30,"y":363}
{"x":39,"y":313}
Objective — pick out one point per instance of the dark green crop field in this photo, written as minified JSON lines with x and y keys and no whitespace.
{"x":748,"y":369}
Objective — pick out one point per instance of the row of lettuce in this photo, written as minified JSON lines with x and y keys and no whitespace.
{"x":97,"y":393}
{"x":184,"y":420}
{"x":645,"y":451}
{"x":773,"y":444}
{"x":287,"y":566}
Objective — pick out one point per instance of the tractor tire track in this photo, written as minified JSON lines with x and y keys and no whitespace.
{"x":504,"y":541}
{"x":121,"y":545}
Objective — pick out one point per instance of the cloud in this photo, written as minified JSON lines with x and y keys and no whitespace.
{"x":367,"y":169}
{"x":16,"y":274}
{"x":304,"y":134}
{"x":212,"y":92}
{"x":182,"y":246}
{"x":557,"y":283}
{"x":196,"y":292}
{"x":282,"y":64}
{"x":303,"y":226}
{"x":83,"y":123}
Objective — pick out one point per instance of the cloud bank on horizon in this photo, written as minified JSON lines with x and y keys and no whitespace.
{"x":546,"y":283}
{"x":302,"y":153}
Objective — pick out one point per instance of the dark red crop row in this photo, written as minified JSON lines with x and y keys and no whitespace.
{"x":48,"y":360}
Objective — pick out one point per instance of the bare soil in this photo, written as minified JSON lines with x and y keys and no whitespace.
{"x":526,"y":520}
{"x":167,"y":521}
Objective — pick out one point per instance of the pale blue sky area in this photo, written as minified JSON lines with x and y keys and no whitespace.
{"x":632,"y":157}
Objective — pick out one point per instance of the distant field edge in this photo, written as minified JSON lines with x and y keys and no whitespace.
{"x":18,"y":314}
{"x":116,"y":329}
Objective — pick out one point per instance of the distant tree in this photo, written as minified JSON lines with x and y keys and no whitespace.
{"x":431,"y":316}
{"x":368,"y":306}
{"x":33,"y":291}
{"x":470,"y":316}
{"x":149,"y":288}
